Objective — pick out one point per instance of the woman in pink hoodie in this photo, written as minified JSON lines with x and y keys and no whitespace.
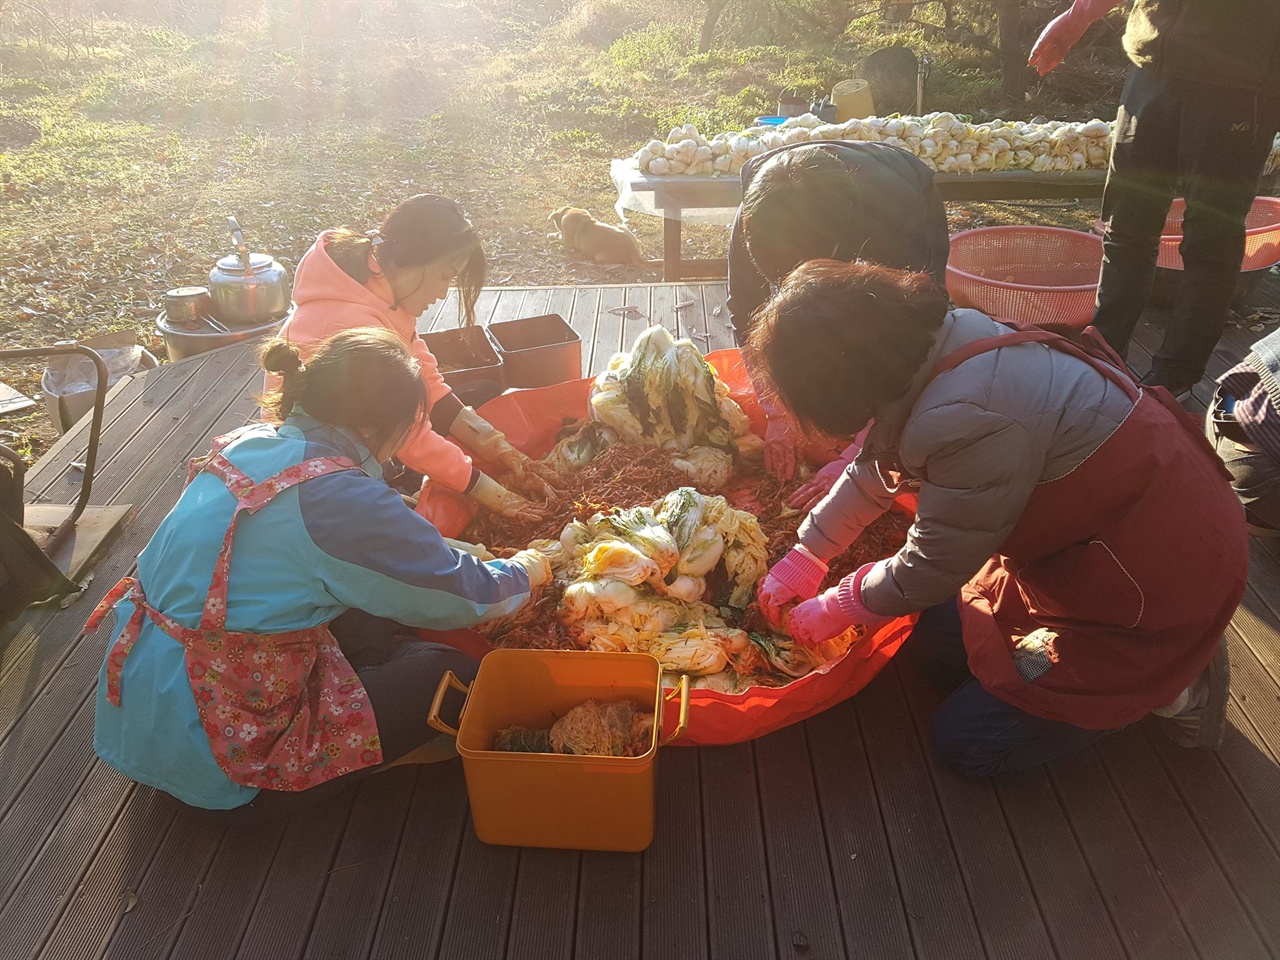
{"x":387,"y":278}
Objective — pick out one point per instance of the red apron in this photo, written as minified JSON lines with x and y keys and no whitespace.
{"x":1110,"y":595}
{"x":283,"y":711}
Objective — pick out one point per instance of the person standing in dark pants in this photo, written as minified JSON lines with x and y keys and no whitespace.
{"x":1197,"y":118}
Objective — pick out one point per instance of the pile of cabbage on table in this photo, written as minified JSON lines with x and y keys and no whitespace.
{"x":672,"y":578}
{"x":945,"y":142}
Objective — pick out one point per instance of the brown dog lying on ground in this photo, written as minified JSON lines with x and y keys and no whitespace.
{"x":600,"y":241}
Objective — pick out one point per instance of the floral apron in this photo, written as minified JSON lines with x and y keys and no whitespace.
{"x":283,"y":711}
{"x":1111,"y":593}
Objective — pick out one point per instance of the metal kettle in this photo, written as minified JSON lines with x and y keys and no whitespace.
{"x":248,"y":288}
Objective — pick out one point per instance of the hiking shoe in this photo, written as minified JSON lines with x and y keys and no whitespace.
{"x":1198,"y":718}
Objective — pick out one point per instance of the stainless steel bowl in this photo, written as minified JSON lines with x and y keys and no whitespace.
{"x":185,"y":342}
{"x":186,"y":305}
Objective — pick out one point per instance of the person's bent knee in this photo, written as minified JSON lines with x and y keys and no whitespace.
{"x":963,"y":748}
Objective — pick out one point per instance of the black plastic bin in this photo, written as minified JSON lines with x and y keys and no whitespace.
{"x":537,"y":351}
{"x":466,"y":356}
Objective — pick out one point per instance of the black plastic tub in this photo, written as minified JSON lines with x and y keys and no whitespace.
{"x":466,"y":356}
{"x":537,"y":351}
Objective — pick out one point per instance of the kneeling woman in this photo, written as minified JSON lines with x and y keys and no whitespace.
{"x":385,"y":279}
{"x":1093,"y":541}
{"x":224,"y":684}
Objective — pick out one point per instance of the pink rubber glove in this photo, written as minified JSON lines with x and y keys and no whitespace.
{"x":780,"y":442}
{"x":833,"y":612}
{"x":1065,"y":31}
{"x":811,"y":494}
{"x":796,"y":576}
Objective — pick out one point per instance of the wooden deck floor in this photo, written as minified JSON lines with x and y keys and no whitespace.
{"x":839,"y":837}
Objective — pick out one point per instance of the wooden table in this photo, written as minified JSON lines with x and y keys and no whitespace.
{"x":672,"y":196}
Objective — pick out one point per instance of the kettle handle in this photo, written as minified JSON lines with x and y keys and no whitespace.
{"x":241,"y":247}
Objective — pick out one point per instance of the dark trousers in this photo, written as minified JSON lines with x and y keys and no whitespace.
{"x":973,"y":731}
{"x":1210,"y":144}
{"x":1255,"y":476}
{"x":400,"y":673}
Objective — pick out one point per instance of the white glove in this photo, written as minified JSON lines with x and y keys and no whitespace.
{"x":476,"y":550}
{"x":487,"y":441}
{"x":492,"y":495}
{"x":537,"y":566}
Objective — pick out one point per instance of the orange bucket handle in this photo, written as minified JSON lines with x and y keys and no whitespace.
{"x":682,"y":723}
{"x":449,"y":679}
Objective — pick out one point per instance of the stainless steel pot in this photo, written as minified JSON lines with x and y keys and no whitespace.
{"x":186,"y":305}
{"x":248,"y":288}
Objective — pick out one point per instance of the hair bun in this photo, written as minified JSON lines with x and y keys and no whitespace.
{"x":281,"y":357}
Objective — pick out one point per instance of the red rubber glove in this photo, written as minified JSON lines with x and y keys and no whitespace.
{"x":796,"y":576}
{"x":780,"y":441}
{"x":1065,"y":31}
{"x":810,"y":495}
{"x":827,"y":616}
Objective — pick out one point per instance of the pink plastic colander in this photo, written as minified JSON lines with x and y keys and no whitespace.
{"x":1042,"y":275}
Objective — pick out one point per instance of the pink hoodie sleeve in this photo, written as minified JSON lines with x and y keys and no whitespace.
{"x":426,"y":451}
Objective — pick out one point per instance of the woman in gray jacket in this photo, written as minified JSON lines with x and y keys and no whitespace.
{"x":1077,"y":551}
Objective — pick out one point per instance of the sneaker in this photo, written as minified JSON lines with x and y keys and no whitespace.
{"x":1198,"y":718}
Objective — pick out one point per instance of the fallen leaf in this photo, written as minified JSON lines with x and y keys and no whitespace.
{"x":130,"y":900}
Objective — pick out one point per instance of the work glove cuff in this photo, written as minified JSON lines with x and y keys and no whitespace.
{"x":801,"y":571}
{"x":849,"y":597}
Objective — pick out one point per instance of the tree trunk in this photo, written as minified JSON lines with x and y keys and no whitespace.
{"x":714,"y":9}
{"x":896,"y":11}
{"x":1013,"y":59}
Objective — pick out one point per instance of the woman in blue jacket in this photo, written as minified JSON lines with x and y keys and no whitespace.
{"x":236,"y":679}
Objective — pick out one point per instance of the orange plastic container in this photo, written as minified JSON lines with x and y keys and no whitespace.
{"x":1042,"y":275}
{"x":554,"y":800}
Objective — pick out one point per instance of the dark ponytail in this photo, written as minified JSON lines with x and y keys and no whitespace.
{"x":281,"y":358}
{"x":422,"y":230}
{"x":363,"y":379}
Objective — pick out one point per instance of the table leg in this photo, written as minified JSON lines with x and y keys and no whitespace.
{"x":671,"y":268}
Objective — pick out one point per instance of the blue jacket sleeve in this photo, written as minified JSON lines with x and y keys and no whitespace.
{"x":377,"y":555}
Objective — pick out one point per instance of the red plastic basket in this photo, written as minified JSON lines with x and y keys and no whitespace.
{"x":1261,"y":235}
{"x":1042,"y":275}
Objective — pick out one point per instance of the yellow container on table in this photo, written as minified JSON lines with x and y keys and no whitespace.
{"x":853,"y":100}
{"x":557,"y":800}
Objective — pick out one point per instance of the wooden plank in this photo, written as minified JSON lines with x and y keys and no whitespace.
{"x":739,"y":911}
{"x":507,"y":306}
{"x":347,"y":919}
{"x":719,"y":330}
{"x":417,"y":898}
{"x":229,"y":893}
{"x":544,"y":915}
{"x":805,"y":914}
{"x":98,"y":901}
{"x":119,"y":419}
{"x":1254,"y":770}
{"x":634,"y":324}
{"x":1239,"y":845}
{"x":480,"y":905}
{"x":1214,"y":918}
{"x":1251,"y":684}
{"x":862,"y":866}
{"x":48,"y":791}
{"x":1144,"y":915}
{"x":166,"y":894}
{"x":582,"y":318}
{"x":1070,"y":901}
{"x":536,"y":302}
{"x":1006,"y":910}
{"x":608,"y":332}
{"x":608,"y":907}
{"x":933,"y":891}
{"x":674,"y":911}
{"x":560,"y":301}
{"x":280,"y":924}
{"x":41,"y":893}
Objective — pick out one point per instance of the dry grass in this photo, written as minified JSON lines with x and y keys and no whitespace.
{"x":125,"y":144}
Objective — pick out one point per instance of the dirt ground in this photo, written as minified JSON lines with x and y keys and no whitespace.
{"x":124,"y":144}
